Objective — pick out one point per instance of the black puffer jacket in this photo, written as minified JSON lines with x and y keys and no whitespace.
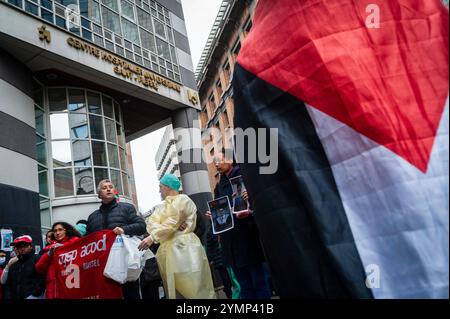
{"x":23,"y":280}
{"x":113,"y":215}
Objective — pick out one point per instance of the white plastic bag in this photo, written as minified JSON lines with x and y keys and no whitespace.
{"x":117,"y":264}
{"x":125,"y":261}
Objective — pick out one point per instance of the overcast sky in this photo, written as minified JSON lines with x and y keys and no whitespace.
{"x":199,"y":16}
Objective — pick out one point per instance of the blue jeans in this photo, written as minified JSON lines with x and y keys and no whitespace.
{"x":253,"y":282}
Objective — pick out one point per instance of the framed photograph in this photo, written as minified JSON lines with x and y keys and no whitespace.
{"x":240,"y":205}
{"x":221,"y":215}
{"x":6,"y":239}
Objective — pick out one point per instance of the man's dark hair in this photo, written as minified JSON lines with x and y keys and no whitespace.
{"x":70,"y":230}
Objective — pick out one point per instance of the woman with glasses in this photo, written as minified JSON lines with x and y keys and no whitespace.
{"x":63,"y":234}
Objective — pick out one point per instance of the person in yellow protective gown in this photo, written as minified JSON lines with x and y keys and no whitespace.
{"x":181,"y":258}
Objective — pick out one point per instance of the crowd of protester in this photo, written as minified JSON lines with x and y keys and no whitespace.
{"x":232,"y":261}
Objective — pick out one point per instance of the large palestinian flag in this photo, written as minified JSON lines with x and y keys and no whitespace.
{"x":359,"y":204}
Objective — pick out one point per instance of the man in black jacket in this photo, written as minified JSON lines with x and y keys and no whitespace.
{"x":23,"y":282}
{"x":122,"y":219}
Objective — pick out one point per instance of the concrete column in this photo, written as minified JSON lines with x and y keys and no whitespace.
{"x":193,"y":169}
{"x":19,"y":187}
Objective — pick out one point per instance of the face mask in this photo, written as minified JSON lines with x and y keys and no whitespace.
{"x":2,"y":260}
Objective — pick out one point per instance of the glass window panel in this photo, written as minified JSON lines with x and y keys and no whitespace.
{"x":96,"y":124}
{"x":123,"y":159}
{"x":126,"y":188}
{"x":43,"y":183}
{"x":120,"y":136}
{"x":173,"y":53}
{"x":78,"y":126}
{"x":107,"y":107}
{"x":97,"y":29}
{"x":63,"y":182}
{"x":86,"y":23}
{"x":84,"y":181}
{"x":47,"y":4}
{"x":94,"y":103}
{"x":57,"y":99}
{"x":109,"y":45}
{"x":129,"y":55}
{"x":110,"y":127}
{"x":77,"y":102}
{"x":99,"y":153}
{"x":148,"y":40}
{"x":47,"y":15}
{"x":128,"y":45}
{"x":98,"y":40}
{"x":119,"y":50}
{"x":61,"y":154}
{"x":66,"y":2}
{"x":90,"y":9}
{"x":32,"y":8}
{"x":87,"y":34}
{"x":111,"y":20}
{"x":144,"y":19}
{"x":100,"y":174}
{"x":113,"y":157}
{"x":39,"y":119}
{"x":163,"y":48}
{"x":60,"y":22}
{"x":127,"y":9}
{"x":111,"y":3}
{"x":117,"y":111}
{"x":39,"y":97}
{"x":59,"y":125}
{"x":159,"y":28}
{"x":170,"y":35}
{"x":16,"y":2}
{"x":115,"y":179}
{"x":41,"y":153}
{"x":81,"y":153}
{"x":45,"y":218}
{"x":130,"y":31}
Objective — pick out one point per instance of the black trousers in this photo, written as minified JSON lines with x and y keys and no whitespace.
{"x":226,"y":280}
{"x":131,"y":290}
{"x":150,"y":290}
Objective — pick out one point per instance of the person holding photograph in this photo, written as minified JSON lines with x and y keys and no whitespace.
{"x":240,"y":245}
{"x":181,"y":258}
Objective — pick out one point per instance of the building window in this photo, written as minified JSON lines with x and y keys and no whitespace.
{"x":236,"y":48}
{"x":212,"y":103}
{"x":226,"y":122}
{"x":87,"y":142}
{"x":247,"y":26}
{"x":219,"y":88}
{"x":107,"y":22}
{"x":227,"y":71}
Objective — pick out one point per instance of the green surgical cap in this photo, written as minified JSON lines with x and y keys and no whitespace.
{"x":171,"y":181}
